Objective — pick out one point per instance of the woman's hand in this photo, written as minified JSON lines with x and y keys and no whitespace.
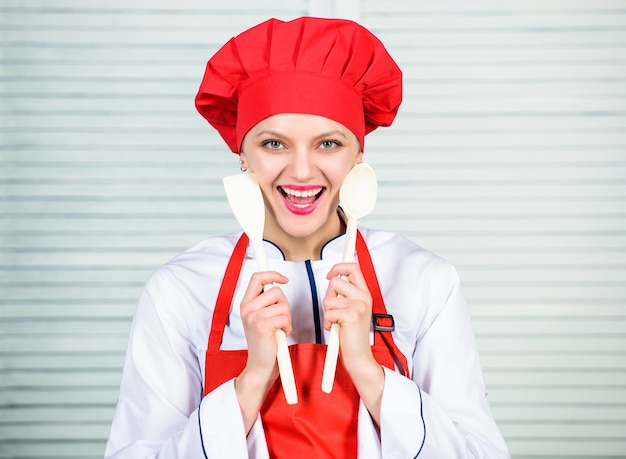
{"x":349,"y":302}
{"x":262,"y":313}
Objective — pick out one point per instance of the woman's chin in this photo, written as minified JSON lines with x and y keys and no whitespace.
{"x":314,"y":228}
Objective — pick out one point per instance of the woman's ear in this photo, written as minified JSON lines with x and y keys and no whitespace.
{"x":359,"y":158}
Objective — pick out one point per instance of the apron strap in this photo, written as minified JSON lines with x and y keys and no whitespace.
{"x":378,"y":303}
{"x":226,"y":293}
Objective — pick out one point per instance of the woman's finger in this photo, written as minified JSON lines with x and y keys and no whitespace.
{"x":350,"y":270}
{"x":268,"y":318}
{"x":259,"y":279}
{"x":346,"y":280}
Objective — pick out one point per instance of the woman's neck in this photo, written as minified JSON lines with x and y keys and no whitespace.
{"x":309,"y":247}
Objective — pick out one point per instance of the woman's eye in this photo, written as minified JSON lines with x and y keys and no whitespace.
{"x":325,"y":144}
{"x":273,"y":144}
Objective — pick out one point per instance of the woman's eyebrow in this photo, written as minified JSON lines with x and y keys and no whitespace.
{"x":282,"y":135}
{"x":271,"y":133}
{"x":333,"y":133}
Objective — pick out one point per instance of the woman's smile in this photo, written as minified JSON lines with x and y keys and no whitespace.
{"x":301,"y":200}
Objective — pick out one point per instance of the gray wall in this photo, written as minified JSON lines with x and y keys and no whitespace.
{"x":508,"y":158}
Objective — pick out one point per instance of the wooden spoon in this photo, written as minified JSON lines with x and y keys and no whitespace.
{"x":357,"y":198}
{"x":246,"y":202}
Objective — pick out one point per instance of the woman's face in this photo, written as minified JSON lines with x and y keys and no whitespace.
{"x":300,"y":161}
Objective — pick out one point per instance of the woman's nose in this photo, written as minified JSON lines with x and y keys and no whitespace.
{"x":302,"y":164}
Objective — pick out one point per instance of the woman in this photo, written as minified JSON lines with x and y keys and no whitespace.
{"x":294,"y":100}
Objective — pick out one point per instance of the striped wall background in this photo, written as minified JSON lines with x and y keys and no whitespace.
{"x":508,"y":158}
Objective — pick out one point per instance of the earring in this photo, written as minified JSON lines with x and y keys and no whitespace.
{"x":241,"y":166}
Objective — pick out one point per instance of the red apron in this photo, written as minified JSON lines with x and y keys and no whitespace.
{"x":320,"y":424}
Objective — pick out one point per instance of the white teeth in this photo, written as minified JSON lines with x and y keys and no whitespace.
{"x":301,"y":193}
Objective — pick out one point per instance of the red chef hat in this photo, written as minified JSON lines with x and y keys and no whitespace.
{"x":329,"y":67}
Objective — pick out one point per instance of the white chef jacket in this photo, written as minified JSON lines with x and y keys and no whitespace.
{"x":441,"y":412}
